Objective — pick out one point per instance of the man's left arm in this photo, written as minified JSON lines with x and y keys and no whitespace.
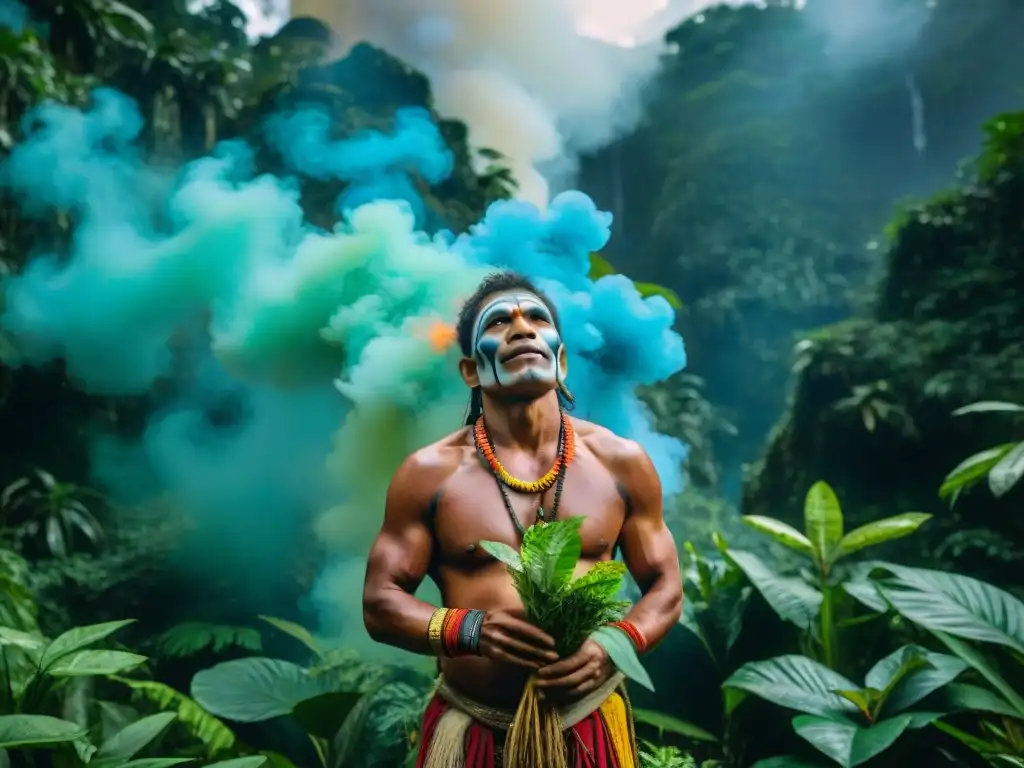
{"x":648,"y":549}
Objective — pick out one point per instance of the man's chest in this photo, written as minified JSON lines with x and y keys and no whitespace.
{"x":473,"y":508}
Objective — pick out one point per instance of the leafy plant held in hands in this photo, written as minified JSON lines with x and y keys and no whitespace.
{"x":571,"y":611}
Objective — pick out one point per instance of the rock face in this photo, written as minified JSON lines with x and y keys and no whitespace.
{"x":870,"y":411}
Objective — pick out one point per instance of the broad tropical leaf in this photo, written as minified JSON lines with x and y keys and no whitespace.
{"x":1008,"y":472}
{"x":647,"y":290}
{"x":324,"y":715}
{"x":668,"y":724}
{"x":823,"y":520}
{"x":252,"y":761}
{"x":846,"y":742}
{"x":191,"y":637}
{"x":623,"y":655}
{"x":216,"y":736}
{"x":78,"y":638}
{"x":971,"y":698}
{"x":297,"y":631}
{"x":37,"y":731}
{"x":972,"y":470}
{"x":81,"y":663}
{"x":128,"y":742}
{"x":255,"y":689}
{"x":785,"y":761}
{"x":141,"y":762}
{"x":794,"y":682}
{"x":27,"y":641}
{"x":879,"y":532}
{"x":989,"y":406}
{"x":910,"y":674}
{"x":957,"y":604}
{"x":786,"y":535}
{"x":790,"y":597}
{"x":975,"y":659}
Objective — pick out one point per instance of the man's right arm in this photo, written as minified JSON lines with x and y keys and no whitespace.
{"x":399,"y":560}
{"x":400,"y":557}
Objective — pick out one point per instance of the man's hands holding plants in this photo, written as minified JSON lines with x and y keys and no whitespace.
{"x":507,"y":637}
{"x":577,"y":675}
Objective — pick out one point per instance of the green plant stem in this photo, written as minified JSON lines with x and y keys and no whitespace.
{"x":827,"y":627}
{"x":320,"y":751}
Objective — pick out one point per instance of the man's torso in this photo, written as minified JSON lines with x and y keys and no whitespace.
{"x":469,"y":508}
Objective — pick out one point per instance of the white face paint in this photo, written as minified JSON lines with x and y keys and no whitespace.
{"x":490,"y":337}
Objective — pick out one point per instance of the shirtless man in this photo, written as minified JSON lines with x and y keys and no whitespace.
{"x":449,"y":496}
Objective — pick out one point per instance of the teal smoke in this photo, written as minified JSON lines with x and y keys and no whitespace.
{"x":211,"y":280}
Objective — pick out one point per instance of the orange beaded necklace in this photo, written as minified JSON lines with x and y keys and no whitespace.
{"x":562,"y":460}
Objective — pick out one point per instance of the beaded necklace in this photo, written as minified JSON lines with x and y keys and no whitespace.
{"x":554,"y":477}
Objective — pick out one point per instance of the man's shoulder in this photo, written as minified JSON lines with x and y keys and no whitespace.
{"x":607,"y":445}
{"x":436,"y":460}
{"x":420,"y":477}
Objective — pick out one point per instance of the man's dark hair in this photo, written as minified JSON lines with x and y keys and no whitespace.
{"x":496,"y":282}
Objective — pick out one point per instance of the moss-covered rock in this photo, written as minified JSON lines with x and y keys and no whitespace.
{"x":871,"y":410}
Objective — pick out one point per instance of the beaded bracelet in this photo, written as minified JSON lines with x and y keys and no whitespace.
{"x":630,"y":630}
{"x":455,"y":631}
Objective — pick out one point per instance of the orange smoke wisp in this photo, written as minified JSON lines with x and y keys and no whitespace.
{"x":441,"y":336}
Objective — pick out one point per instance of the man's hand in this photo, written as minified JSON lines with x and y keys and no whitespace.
{"x":583,"y":672}
{"x":510,"y":639}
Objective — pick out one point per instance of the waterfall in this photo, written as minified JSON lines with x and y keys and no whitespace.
{"x":918,"y":131}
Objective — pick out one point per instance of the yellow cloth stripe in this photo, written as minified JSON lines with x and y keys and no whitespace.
{"x":616,"y":720}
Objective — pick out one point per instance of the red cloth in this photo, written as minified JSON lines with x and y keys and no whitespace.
{"x":589,"y":743}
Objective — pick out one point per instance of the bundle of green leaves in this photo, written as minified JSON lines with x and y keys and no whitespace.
{"x":570,"y":610}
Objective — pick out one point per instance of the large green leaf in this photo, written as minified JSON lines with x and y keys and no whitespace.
{"x":27,"y":641}
{"x":957,"y":604}
{"x":600,"y":267}
{"x":255,"y":689}
{"x":78,"y":638}
{"x":324,"y":715}
{"x":82,"y":663}
{"x":981,"y":665}
{"x":668,"y":724}
{"x":879,"y":532}
{"x":141,"y":762}
{"x":503,"y":553}
{"x":1008,"y":472}
{"x":128,"y":742}
{"x":550,"y":552}
{"x":786,"y":535}
{"x":971,"y":698}
{"x":296,"y":631}
{"x":37,"y":731}
{"x":647,"y":290}
{"x":905,"y":682}
{"x":989,"y":406}
{"x":622,"y":653}
{"x":785,"y":761}
{"x":206,"y":728}
{"x":972,"y":470}
{"x":791,"y":598}
{"x":823,"y":519}
{"x":846,"y":742}
{"x":794,"y":682}
{"x":252,"y":761}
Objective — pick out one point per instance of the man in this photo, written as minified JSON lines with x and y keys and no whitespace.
{"x":449,"y":496}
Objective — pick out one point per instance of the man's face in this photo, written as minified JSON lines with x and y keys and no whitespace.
{"x":516,"y":345}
